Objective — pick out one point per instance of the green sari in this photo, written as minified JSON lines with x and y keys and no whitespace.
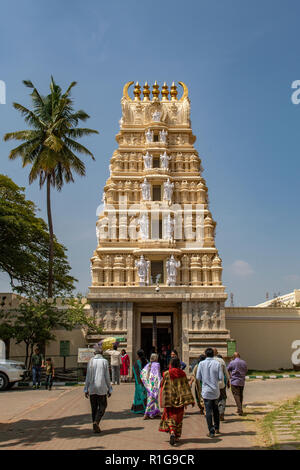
{"x":140,"y":393}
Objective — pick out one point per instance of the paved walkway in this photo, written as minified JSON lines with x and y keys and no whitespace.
{"x":60,"y":419}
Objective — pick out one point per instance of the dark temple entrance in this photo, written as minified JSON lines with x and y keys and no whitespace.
{"x":156,"y":331}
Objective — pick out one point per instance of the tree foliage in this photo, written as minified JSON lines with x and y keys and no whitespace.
{"x":34,"y":321}
{"x":24,"y":246}
{"x":50,"y":146}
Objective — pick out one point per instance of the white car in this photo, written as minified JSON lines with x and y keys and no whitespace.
{"x":10,"y":373}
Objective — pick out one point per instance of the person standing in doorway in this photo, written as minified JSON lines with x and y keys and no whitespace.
{"x":210,"y":374}
{"x":222,"y":385}
{"x":37,"y":362}
{"x":115,"y":361}
{"x":125,"y":364}
{"x":238,"y":370}
{"x":97,"y":386}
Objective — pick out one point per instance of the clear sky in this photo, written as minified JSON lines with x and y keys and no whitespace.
{"x":238,"y":58}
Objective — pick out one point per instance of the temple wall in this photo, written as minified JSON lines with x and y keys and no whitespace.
{"x":264,"y":335}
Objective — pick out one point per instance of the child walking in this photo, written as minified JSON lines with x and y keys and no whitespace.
{"x":49,"y":373}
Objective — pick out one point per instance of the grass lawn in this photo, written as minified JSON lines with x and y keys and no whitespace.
{"x":285,"y":416}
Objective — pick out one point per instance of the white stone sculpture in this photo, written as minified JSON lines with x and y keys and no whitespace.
{"x":118,"y":320}
{"x":163,"y":136}
{"x":108,"y":320}
{"x":168,"y":227}
{"x":196,"y":320}
{"x":146,"y":193}
{"x":149,"y":136}
{"x":172,"y":266}
{"x":164,"y":161}
{"x":156,"y":116}
{"x":144,"y":226}
{"x":168,"y":190}
{"x":214,"y":320}
{"x":205,"y":318}
{"x":143,"y":270}
{"x":148,"y":159}
{"x":121,"y":122}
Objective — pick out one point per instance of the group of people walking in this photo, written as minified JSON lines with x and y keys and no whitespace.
{"x":171,"y":391}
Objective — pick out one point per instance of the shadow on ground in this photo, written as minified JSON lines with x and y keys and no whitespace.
{"x":27,"y":432}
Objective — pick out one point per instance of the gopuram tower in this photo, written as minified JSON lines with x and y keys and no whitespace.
{"x":156,"y":273}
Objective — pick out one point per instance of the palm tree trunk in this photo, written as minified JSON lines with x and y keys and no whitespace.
{"x":50,"y":226}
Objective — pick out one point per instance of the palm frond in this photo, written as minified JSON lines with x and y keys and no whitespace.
{"x":72,"y":144}
{"x":29,"y":116}
{"x":80,"y":132}
{"x":24,"y":150}
{"x":21,"y":135}
{"x":66,"y":94}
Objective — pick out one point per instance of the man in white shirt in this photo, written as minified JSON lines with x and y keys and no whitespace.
{"x":225,"y":382}
{"x":97,"y":386}
{"x":115,"y":362}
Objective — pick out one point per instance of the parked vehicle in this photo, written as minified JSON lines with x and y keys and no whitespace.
{"x":11,"y":372}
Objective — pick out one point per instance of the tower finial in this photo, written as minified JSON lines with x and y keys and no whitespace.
{"x":173,"y":92}
{"x":155,"y":91}
{"x":146,"y":92}
{"x":164,"y":92}
{"x":137,"y":92}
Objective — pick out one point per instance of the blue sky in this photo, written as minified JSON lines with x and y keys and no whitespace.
{"x":238,"y":58}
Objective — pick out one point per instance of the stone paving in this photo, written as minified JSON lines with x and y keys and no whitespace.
{"x":287,"y":426}
{"x":60,"y":419}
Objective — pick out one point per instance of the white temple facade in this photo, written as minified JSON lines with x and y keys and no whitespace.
{"x":156,"y":272}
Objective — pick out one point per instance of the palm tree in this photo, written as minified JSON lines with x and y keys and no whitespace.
{"x":50,"y":145}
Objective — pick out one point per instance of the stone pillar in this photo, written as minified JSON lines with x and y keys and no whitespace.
{"x":185,"y":332}
{"x":195,"y":271}
{"x":205,"y":270}
{"x":97,"y":273}
{"x":130,"y":329}
{"x":118,"y":270}
{"x":129,"y":271}
{"x":185,"y":275}
{"x":216,"y":271}
{"x":107,"y":271}
{"x":209,"y":232}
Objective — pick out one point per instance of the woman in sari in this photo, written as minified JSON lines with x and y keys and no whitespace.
{"x":140,"y":393}
{"x":125,"y":364}
{"x":198,"y":386}
{"x":175,"y":395}
{"x":151,"y":379}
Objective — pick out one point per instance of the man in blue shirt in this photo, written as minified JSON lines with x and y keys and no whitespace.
{"x":210,"y":374}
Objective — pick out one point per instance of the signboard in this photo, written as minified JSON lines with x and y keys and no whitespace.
{"x":231,"y":348}
{"x":85,"y":354}
{"x":64,"y":349}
